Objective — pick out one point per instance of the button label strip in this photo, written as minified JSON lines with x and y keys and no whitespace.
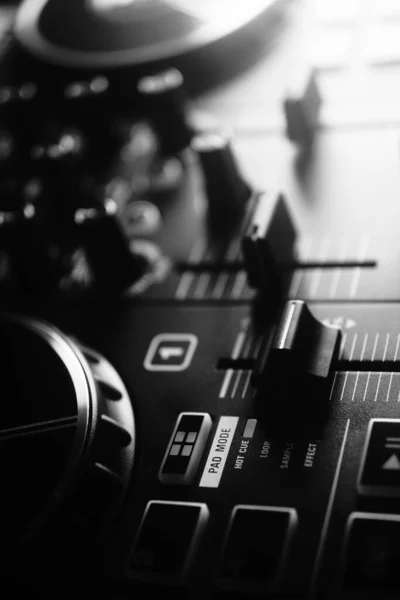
{"x":219,"y":452}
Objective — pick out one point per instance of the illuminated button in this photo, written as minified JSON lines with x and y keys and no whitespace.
{"x":372,"y":556}
{"x":167,"y":540}
{"x":256,"y":547}
{"x":180,"y":436}
{"x":380,"y":466}
{"x":185,"y":448}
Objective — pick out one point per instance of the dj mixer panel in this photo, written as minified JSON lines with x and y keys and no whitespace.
{"x":221,"y":414}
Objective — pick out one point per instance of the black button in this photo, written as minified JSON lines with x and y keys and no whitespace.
{"x":170,"y":352}
{"x":256,"y":547}
{"x":372,"y":556}
{"x":185,"y":448}
{"x":167,"y":539}
{"x":380,"y":467}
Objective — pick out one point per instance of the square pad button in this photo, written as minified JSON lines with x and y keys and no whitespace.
{"x":167,"y":540}
{"x":256,"y":547}
{"x":380,"y":467}
{"x":372,"y":557}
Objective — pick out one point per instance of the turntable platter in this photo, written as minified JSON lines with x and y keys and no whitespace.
{"x":129,"y":33}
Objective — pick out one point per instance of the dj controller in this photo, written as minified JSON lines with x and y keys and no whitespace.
{"x":200,"y":299}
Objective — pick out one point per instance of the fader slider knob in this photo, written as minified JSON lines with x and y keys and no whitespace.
{"x":303,"y":344}
{"x":302,"y":106}
{"x":295,"y":372}
{"x":226,"y":191}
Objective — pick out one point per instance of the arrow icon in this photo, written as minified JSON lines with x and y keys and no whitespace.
{"x":340,"y":322}
{"x":168,"y":352}
{"x":350,"y":323}
{"x":392,"y":464}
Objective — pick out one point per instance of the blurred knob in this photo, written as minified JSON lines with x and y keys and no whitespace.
{"x":60,"y":147}
{"x":8,"y":153}
{"x":18,"y":123}
{"x":226,"y":191}
{"x":58,"y":160}
{"x":17,"y":105}
{"x":23,"y":238}
{"x":302,"y":106}
{"x":113,"y":263}
{"x":85,"y":95}
{"x":268,"y":245}
{"x":141,"y":218}
{"x":87,"y":103}
{"x":165,"y":102}
{"x":90,"y":102}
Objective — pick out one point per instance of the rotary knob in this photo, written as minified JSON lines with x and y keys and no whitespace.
{"x":114,"y":265}
{"x":164,"y":97}
{"x":227,"y":192}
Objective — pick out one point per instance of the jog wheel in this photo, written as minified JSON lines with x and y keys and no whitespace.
{"x":104,"y":34}
{"x":66,"y":447}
